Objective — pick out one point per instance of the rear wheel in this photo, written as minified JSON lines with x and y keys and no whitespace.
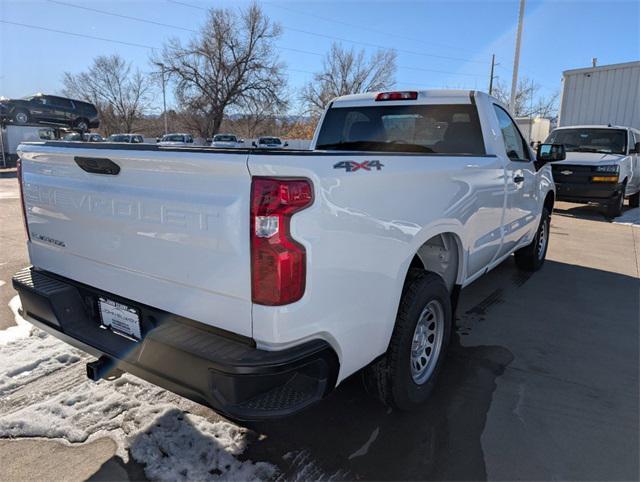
{"x":21,"y":117}
{"x":634,"y":201}
{"x":531,"y":257}
{"x":407,"y":373}
{"x":82,"y":125}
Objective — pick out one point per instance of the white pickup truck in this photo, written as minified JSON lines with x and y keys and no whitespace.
{"x":602,"y":165}
{"x":255,"y":281}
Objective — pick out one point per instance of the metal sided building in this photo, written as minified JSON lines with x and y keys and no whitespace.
{"x":608,"y":94}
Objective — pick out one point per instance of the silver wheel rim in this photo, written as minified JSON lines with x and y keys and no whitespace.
{"x":542,"y":239}
{"x":21,"y":117}
{"x":427,"y":342}
{"x":82,"y":126}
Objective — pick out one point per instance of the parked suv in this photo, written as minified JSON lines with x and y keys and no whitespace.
{"x":128,"y":138}
{"x":51,"y":109}
{"x":270,"y":143}
{"x":176,"y":140}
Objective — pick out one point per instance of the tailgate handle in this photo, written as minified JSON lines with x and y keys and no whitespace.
{"x":97,"y":165}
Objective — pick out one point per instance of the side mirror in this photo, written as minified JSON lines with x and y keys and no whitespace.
{"x":254,"y":144}
{"x":286,"y":144}
{"x":636,"y":149}
{"x":240,"y":141}
{"x":550,"y":153}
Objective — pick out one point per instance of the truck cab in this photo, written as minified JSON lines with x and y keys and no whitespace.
{"x":601,"y":166}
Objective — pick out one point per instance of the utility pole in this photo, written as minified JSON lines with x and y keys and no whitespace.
{"x":164,"y":95}
{"x":164,"y":101}
{"x":516,"y":59}
{"x":491,"y":77}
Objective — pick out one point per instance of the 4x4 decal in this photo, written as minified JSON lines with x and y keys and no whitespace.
{"x":352,"y":166}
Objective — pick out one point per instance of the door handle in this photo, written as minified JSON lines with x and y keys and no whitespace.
{"x":518,"y":179}
{"x":97,"y":165}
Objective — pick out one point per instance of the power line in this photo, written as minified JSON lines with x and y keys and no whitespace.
{"x":357,"y":42}
{"x":363,"y":27}
{"x":368,"y":44}
{"x":402,"y":67}
{"x":65,"y":32}
{"x":190,"y":5}
{"x":128,"y":17}
{"x":138,"y":19}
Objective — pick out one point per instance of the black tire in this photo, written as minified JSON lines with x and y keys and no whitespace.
{"x":532,"y":256}
{"x":614,"y":208}
{"x":21,"y":117}
{"x":634,"y":200}
{"x":391,"y":378}
{"x":82,"y":124}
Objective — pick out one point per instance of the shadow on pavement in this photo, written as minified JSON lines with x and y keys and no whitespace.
{"x":591,"y":212}
{"x":440,"y":441}
{"x":546,"y":320}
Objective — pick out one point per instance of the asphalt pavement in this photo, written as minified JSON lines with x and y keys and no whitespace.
{"x":542,"y":381}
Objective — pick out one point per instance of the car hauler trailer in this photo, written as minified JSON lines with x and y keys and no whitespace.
{"x":11,"y":136}
{"x":608,"y":94}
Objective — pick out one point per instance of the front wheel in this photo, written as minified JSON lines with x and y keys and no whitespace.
{"x":532,"y":256}
{"x":614,"y":208}
{"x":405,"y":376}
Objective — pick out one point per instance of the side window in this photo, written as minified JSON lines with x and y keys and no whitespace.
{"x":632,"y":140}
{"x":513,"y":141}
{"x":60,"y":102}
{"x":46,"y":134}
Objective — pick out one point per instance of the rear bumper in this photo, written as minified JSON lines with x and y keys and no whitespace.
{"x":214,"y":368}
{"x":587,"y":192}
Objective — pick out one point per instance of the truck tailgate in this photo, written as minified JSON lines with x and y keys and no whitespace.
{"x":170,"y":230}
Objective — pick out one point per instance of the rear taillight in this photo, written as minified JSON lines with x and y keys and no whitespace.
{"x":278,"y":262}
{"x":405,"y":95}
{"x":24,"y":208}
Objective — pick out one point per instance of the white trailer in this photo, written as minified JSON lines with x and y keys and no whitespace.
{"x":608,"y":94}
{"x":11,"y":136}
{"x":534,"y":129}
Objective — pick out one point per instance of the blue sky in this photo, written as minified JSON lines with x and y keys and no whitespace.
{"x":439,"y":43}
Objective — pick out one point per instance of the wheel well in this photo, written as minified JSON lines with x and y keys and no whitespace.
{"x":549,"y":201}
{"x":441,"y":255}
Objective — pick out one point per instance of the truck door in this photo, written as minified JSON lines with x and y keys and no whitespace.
{"x":62,"y":111}
{"x":41,"y":109}
{"x":521,"y":204}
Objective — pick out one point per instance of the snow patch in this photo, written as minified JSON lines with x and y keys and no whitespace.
{"x":2,"y":283}
{"x":22,"y":328}
{"x":27,"y":354}
{"x":140,"y":417}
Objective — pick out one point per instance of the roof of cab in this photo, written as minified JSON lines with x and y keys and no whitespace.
{"x":430,"y":96}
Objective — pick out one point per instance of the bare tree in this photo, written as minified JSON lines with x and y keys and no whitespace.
{"x":232,"y":61}
{"x":120,"y":93}
{"x":346,"y":71}
{"x":527,"y":102}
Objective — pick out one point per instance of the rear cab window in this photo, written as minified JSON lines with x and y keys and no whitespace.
{"x":428,"y":129}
